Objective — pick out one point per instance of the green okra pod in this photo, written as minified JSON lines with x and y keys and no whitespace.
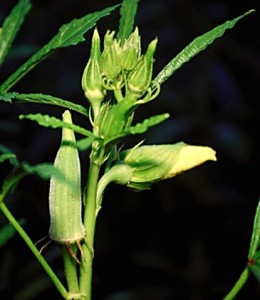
{"x":65,"y":203}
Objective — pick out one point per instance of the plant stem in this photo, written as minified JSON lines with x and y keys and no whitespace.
{"x":35,"y":251}
{"x":118,"y":95}
{"x":90,"y":222}
{"x":70,"y":270}
{"x":238,"y":285}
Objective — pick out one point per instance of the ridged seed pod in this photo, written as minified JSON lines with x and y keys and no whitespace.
{"x":65,"y":194}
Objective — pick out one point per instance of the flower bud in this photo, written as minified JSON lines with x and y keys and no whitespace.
{"x":158,"y":162}
{"x":91,"y":78}
{"x":190,"y":157}
{"x":65,"y":194}
{"x":131,"y":51}
{"x":110,"y":59}
{"x":140,"y":78}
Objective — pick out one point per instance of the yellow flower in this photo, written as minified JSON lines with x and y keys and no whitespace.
{"x":154,"y":163}
{"x":190,"y":157}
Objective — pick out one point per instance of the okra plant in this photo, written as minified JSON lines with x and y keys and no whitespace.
{"x":117,"y":80}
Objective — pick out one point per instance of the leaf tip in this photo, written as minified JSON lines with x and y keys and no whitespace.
{"x":250,"y":11}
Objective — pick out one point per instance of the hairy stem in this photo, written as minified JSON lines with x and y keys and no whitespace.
{"x":35,"y":251}
{"x":238,"y":285}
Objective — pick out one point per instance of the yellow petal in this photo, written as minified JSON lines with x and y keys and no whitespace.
{"x":190,"y":157}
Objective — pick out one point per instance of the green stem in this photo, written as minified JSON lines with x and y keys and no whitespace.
{"x":35,"y":251}
{"x":89,"y":223}
{"x":238,"y":285}
{"x":70,"y":269}
{"x":118,"y":95}
{"x":120,"y":174}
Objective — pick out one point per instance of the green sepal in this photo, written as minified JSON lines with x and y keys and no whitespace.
{"x":131,"y":51}
{"x":110,"y":62}
{"x":139,"y":79}
{"x":115,"y":119}
{"x":149,"y":163}
{"x":152,"y":163}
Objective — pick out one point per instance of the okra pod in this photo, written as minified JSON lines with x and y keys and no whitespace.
{"x":65,"y":203}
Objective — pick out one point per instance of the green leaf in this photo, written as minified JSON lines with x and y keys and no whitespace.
{"x":68,"y":35}
{"x":7,"y":154}
{"x":7,"y":232}
{"x":255,"y":269}
{"x":255,"y":239}
{"x":11,"y":181}
{"x":196,"y":46}
{"x":11,"y":26}
{"x":142,"y":127}
{"x":53,"y":122}
{"x":45,"y":99}
{"x":127,"y":12}
{"x":139,"y":128}
{"x":43,"y":170}
{"x":7,"y":97}
{"x":85,"y":143}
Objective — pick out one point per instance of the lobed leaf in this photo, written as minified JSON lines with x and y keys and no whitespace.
{"x":255,"y":239}
{"x":142,"y":127}
{"x":68,"y":35}
{"x":11,"y":26}
{"x":126,"y":23}
{"x":196,"y":46}
{"x":53,"y":122}
{"x":45,"y":99}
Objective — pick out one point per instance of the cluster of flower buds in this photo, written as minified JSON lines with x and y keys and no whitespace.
{"x":120,"y":65}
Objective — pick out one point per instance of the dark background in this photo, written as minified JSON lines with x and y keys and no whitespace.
{"x":187,"y":238}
